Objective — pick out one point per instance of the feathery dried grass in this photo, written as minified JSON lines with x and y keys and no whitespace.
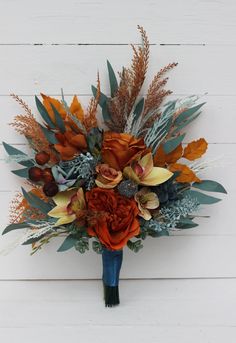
{"x":138,"y":69}
{"x":19,"y":207}
{"x":121,"y":105}
{"x":26,"y":125}
{"x":156,"y":93}
{"x":16,"y":209}
{"x":90,"y":119}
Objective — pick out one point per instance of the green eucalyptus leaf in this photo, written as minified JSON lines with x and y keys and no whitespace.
{"x":201,"y":197}
{"x":188,"y":113}
{"x":68,"y":243}
{"x":36,"y":202}
{"x":139,"y":108}
{"x":13,"y":151}
{"x":106,"y":114}
{"x":97,"y":247}
{"x":186,"y":223}
{"x":82,"y":245}
{"x":135,"y":246}
{"x":172,"y":144}
{"x":102,"y":99}
{"x":59,"y":121}
{"x":210,"y":186}
{"x":185,"y":123}
{"x":44,"y":113}
{"x":15,"y":226}
{"x":94,"y":140}
{"x":49,"y":135}
{"x":33,"y":240}
{"x":21,"y":172}
{"x":112,"y":79}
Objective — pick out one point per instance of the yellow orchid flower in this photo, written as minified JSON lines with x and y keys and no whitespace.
{"x":146,"y":201}
{"x":70,"y":205}
{"x":144,"y":173}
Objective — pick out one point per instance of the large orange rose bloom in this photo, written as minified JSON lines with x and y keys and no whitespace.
{"x":114,"y":219}
{"x":119,"y":149}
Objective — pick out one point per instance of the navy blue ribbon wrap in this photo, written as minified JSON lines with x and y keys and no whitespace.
{"x":112,"y":261}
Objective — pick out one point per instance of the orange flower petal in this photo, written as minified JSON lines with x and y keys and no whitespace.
{"x":109,"y":158}
{"x":120,"y":149}
{"x":186,"y":175}
{"x":76,"y":108}
{"x":195,"y":149}
{"x":117,"y":222}
{"x":161,"y":158}
{"x":47,"y":101}
{"x":78,"y":141}
{"x":66,"y":152}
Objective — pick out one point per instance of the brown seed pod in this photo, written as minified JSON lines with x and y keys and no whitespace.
{"x":35,"y":174}
{"x":47,"y":175}
{"x":42,"y":157}
{"x":50,"y":189}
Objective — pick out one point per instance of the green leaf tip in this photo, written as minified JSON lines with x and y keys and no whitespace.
{"x":112,"y":79}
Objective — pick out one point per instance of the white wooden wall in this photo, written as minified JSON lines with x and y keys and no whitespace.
{"x":186,"y":283}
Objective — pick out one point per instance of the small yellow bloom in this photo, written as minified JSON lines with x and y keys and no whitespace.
{"x":144,"y":173}
{"x":70,"y":205}
{"x":146,"y":201}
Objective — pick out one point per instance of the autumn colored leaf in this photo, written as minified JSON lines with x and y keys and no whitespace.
{"x":195,"y":149}
{"x":47,"y":101}
{"x":76,"y":109}
{"x":161,"y":158}
{"x":186,"y":174}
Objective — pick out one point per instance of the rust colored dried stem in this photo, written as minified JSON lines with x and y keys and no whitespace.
{"x":26,"y":125}
{"x":156,"y":94}
{"x":120,"y":106}
{"x":90,"y":119}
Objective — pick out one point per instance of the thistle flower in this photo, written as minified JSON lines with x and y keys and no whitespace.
{"x":127,"y":188}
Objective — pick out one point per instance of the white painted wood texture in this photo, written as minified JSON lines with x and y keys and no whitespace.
{"x":152,"y":311}
{"x":46,"y":45}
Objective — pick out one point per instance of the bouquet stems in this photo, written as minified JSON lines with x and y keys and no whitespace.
{"x":112,"y":261}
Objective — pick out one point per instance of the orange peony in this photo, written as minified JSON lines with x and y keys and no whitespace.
{"x":119,"y":149}
{"x":114,"y":222}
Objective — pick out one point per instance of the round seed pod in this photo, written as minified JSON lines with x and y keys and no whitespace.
{"x":35,"y":174}
{"x":47,"y":175}
{"x":50,"y":189}
{"x":42,"y":157}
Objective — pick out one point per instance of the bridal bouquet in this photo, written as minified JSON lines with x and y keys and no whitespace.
{"x":113,"y":181}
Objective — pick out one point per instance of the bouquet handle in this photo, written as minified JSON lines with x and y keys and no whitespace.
{"x":112,"y":261}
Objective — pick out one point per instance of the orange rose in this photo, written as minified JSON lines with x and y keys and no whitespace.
{"x":119,"y":149}
{"x":107,"y":177}
{"x":114,"y":219}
